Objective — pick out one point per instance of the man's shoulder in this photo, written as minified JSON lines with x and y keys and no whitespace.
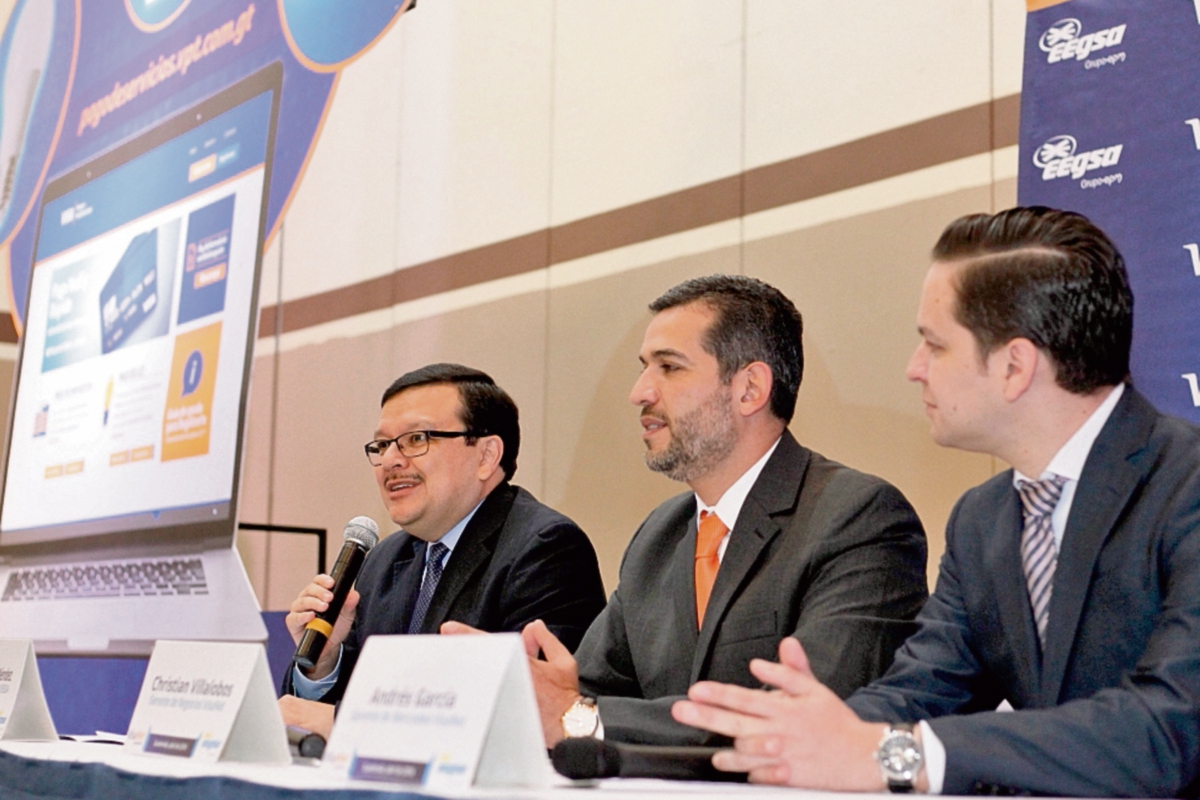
{"x":527,"y":515}
{"x":828,"y":482}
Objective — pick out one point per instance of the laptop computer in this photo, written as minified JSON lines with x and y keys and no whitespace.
{"x":119,"y":488}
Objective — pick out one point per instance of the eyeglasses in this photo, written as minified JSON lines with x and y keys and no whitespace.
{"x":412,"y":444}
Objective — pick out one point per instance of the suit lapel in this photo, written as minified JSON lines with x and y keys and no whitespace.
{"x":1008,"y":578}
{"x":775,"y":492}
{"x":406,"y":577}
{"x":472,"y":554}
{"x":683,"y":585}
{"x":1108,"y":482}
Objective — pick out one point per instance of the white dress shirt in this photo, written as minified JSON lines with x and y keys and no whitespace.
{"x":1067,"y":463}
{"x":730,"y":505}
{"x":310,"y":689}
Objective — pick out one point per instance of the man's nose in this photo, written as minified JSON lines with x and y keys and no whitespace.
{"x":643,"y":392}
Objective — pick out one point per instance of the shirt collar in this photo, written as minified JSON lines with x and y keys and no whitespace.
{"x":730,"y":505}
{"x":1070,"y":458}
{"x":451,"y":537}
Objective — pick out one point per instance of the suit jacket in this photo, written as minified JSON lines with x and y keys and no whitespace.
{"x":819,"y":551}
{"x":1113,"y":705}
{"x":516,"y":561}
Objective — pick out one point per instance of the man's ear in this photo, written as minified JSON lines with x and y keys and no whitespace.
{"x":1020,"y":360}
{"x":491,"y":450}
{"x":752,"y":388}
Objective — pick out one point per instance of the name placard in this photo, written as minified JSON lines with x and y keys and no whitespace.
{"x":24,"y":715}
{"x":441,"y":712}
{"x":208,"y":701}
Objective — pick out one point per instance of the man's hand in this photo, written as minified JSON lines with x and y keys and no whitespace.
{"x":555,"y":680}
{"x":309,"y":714}
{"x":313,"y":599}
{"x":801,"y":735}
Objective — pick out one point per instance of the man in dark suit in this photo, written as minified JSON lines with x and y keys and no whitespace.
{"x":773,"y":540}
{"x":1070,"y":587}
{"x":474,"y":548}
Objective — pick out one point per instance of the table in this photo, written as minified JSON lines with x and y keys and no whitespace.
{"x":79,"y":771}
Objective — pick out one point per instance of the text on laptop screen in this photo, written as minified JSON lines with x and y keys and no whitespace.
{"x":127,"y":410}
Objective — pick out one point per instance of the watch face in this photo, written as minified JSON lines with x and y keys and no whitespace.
{"x":580,"y":720}
{"x":899,"y":756}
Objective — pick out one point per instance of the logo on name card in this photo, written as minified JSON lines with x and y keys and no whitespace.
{"x":388,"y":771}
{"x":1066,"y":41}
{"x":1058,"y":158}
{"x":169,"y":745}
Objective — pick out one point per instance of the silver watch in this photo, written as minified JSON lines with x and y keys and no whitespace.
{"x":581,"y":719}
{"x":900,"y":757}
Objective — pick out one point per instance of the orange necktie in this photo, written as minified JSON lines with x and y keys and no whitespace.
{"x":708,"y":540}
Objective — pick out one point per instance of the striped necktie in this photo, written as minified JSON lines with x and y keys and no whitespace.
{"x":1039,"y":553}
{"x":433,"y":574}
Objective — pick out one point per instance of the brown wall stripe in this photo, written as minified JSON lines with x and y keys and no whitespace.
{"x":966,"y":132}
{"x":958,"y":134}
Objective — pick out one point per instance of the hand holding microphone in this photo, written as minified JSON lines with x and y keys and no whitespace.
{"x":316,"y":620}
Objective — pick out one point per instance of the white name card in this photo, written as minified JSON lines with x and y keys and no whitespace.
{"x":208,"y":701}
{"x":24,"y":715}
{"x":441,"y":712}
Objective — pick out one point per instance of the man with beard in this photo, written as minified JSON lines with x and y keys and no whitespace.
{"x":773,"y":540}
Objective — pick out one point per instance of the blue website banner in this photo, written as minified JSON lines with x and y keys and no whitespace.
{"x":206,"y":260}
{"x":1110,"y":127}
{"x":213,"y":152}
{"x":80,"y":78}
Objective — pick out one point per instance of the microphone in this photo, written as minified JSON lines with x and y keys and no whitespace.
{"x":585,"y":758}
{"x":360,"y":535}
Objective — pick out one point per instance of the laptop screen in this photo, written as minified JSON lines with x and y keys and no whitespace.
{"x":131,"y":385}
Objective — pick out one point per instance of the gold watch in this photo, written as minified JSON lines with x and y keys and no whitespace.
{"x":581,"y":719}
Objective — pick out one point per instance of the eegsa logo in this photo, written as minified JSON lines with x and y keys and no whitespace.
{"x":1057,"y":158}
{"x":1062,"y":41}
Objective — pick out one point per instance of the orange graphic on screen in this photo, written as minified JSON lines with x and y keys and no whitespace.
{"x":188,"y":415}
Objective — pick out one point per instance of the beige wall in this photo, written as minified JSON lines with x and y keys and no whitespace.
{"x":509,"y":184}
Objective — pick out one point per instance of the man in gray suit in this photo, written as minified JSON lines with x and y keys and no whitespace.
{"x":773,"y":540}
{"x":1070,"y":586}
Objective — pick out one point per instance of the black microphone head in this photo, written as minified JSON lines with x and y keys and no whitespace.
{"x":585,"y":758}
{"x":362,"y":530}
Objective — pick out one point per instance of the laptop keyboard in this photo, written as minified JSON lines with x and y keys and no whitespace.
{"x":183,"y":576}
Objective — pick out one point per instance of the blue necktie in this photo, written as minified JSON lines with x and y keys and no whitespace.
{"x":433,"y":574}
{"x":1039,"y":554}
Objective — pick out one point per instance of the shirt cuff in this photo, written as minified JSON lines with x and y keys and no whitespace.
{"x":308,"y":689}
{"x":935,"y":758}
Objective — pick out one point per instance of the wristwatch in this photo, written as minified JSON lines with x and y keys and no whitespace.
{"x":581,"y":719}
{"x":900,"y":757}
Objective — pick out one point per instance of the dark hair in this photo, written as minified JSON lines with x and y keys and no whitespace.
{"x":754,"y":322}
{"x":1048,"y":276}
{"x":487,"y":409}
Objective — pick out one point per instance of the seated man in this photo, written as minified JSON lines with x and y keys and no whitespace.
{"x":1025,"y":323}
{"x":772,"y":541}
{"x":474,"y":548}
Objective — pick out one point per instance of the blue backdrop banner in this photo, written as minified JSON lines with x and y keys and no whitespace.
{"x":1110,"y":127}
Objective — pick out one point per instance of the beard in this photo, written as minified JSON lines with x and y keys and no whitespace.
{"x":700,"y":440}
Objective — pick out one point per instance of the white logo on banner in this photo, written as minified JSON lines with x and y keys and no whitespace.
{"x":1063,"y":41}
{"x":1057,"y":158}
{"x":1194,"y":386}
